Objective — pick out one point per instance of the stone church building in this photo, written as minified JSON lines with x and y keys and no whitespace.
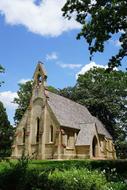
{"x":54,"y":127}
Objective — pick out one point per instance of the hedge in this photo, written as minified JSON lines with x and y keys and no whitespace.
{"x":109,"y":166}
{"x":63,"y":175}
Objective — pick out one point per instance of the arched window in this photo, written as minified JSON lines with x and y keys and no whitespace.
{"x":95,"y":147}
{"x":38,"y":126}
{"x":51,"y":133}
{"x":24,"y":132}
{"x":39,"y":79}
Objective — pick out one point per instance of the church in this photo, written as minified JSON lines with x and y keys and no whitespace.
{"x":54,"y":127}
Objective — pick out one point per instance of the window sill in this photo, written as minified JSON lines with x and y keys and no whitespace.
{"x":69,"y":148}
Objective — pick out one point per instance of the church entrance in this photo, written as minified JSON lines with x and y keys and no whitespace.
{"x":95,"y":147}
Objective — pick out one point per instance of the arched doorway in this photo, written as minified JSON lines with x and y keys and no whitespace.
{"x":95,"y":147}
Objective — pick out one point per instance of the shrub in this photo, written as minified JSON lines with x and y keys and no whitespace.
{"x":36,"y":180}
{"x":116,"y":186}
{"x":77,"y":179}
{"x":13,"y":177}
{"x":62,"y":175}
{"x":114,"y":169}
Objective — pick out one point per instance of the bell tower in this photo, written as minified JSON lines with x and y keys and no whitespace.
{"x":39,"y":81}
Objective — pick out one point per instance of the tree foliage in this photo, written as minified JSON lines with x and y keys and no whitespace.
{"x":23,"y":99}
{"x":105,"y":95}
{"x":6,"y":133}
{"x":52,"y":89}
{"x":6,"y":130}
{"x":100,"y":20}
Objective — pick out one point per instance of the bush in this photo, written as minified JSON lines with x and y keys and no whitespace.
{"x":113,"y":168}
{"x":13,"y":176}
{"x":116,"y":186}
{"x":36,"y":180}
{"x":77,"y":179}
{"x":73,"y":179}
{"x":62,"y":175}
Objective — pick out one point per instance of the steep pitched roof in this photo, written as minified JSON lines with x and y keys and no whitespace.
{"x":86,"y":134}
{"x":68,"y":113}
{"x":101,"y":128}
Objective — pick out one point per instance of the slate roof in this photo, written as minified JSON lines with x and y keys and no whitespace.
{"x":73,"y":115}
{"x":86,"y":134}
{"x":68,"y":113}
{"x":101,"y":128}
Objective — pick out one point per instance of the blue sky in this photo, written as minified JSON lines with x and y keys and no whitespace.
{"x":35,"y":30}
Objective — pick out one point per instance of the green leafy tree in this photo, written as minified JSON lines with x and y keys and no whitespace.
{"x":69,"y":92}
{"x":23,"y":99}
{"x":100,"y":20}
{"x":6,"y":133}
{"x":6,"y":130}
{"x":52,"y":89}
{"x":105,"y":95}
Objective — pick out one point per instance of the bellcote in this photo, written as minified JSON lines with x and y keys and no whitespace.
{"x":39,"y":82}
{"x":40,"y":75}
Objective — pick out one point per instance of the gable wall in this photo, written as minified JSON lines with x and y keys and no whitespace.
{"x":37,"y":112}
{"x":51,"y":148}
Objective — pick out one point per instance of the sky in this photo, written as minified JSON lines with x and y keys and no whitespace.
{"x":34,"y":30}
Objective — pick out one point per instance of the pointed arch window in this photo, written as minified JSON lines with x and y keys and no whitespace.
{"x":95,"y":147}
{"x":51,"y":133}
{"x":39,"y":79}
{"x":38,"y":127}
{"x":24,"y":133}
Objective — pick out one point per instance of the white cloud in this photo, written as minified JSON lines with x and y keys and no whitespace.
{"x":23,"y":81}
{"x":69,"y":66}
{"x":89,"y":66}
{"x":45,"y":19}
{"x":7,"y":98}
{"x":52,"y":56}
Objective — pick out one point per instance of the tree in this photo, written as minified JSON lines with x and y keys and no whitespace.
{"x":23,"y":100}
{"x":105,"y":95}
{"x":6,"y":130}
{"x":100,"y":20}
{"x":52,"y":89}
{"x":6,"y":133}
{"x":1,"y":71}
